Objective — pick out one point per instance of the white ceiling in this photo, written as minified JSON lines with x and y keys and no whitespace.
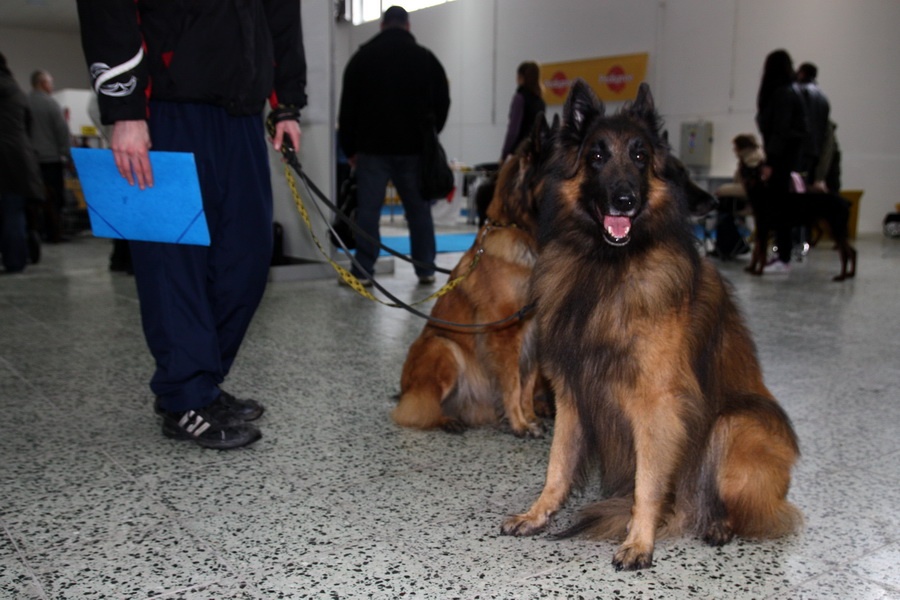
{"x":45,"y":15}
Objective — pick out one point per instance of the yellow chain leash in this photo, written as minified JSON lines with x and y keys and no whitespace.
{"x":346,"y":275}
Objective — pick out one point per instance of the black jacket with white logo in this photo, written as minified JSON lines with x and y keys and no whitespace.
{"x":231,"y":53}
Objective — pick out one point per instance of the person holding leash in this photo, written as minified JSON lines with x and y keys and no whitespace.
{"x":194,"y":77}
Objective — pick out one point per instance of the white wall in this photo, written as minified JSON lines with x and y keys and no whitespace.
{"x":28,"y":50}
{"x":317,"y":148}
{"x":706,"y":59}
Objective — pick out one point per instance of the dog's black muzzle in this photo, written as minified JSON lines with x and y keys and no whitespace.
{"x":623,"y":203}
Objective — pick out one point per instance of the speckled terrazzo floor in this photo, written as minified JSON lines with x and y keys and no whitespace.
{"x":337,"y":502}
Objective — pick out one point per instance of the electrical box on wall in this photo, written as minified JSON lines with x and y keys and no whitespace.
{"x":696,"y":144}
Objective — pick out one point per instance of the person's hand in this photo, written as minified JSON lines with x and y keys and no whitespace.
{"x":69,"y":166}
{"x":289,"y":128}
{"x":130,"y":147}
{"x":818,"y":186}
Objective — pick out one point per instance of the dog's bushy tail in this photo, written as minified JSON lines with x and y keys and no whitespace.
{"x":608,"y":520}
{"x":755,"y":448}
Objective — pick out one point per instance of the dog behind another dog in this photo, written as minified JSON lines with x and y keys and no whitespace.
{"x":803,"y":209}
{"x":654,"y":372}
{"x":455,"y":378}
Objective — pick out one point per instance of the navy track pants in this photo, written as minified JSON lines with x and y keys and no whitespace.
{"x":197,"y":302}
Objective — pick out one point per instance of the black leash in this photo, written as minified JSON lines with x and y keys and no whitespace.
{"x":290,"y":157}
{"x":357,"y":230}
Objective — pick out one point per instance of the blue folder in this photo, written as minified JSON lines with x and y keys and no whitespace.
{"x":170,"y":211}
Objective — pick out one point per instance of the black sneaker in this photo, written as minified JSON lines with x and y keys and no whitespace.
{"x":212,"y":426}
{"x":242,"y":410}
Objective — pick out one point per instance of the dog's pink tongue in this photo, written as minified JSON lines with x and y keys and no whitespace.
{"x":618,"y":227}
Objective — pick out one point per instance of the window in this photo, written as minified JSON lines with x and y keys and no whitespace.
{"x":362,"y":11}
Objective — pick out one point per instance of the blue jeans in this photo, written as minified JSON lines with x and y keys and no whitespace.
{"x":373,"y":171}
{"x":13,"y":236}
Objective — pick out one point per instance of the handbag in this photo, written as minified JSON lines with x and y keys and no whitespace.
{"x":346,"y":204}
{"x":437,"y":179}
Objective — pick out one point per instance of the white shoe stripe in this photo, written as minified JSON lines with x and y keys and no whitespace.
{"x":193,"y":423}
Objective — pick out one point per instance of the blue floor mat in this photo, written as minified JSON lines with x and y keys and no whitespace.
{"x":446,"y":242}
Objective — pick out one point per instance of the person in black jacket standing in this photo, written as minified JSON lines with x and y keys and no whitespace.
{"x":194,"y":77}
{"x":20,"y":179}
{"x":392,"y":88}
{"x":818,"y":110}
{"x":781,"y":118}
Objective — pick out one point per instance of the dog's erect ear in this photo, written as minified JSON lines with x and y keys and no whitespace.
{"x":643,"y":103}
{"x":537,"y":138}
{"x":644,"y":108}
{"x":581,"y":107}
{"x":540,"y":134}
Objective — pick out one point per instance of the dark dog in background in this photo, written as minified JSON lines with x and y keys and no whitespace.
{"x":699,"y":201}
{"x":654,"y":372}
{"x":455,"y":378}
{"x":804,"y":209}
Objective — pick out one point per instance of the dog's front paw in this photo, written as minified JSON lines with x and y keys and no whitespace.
{"x":453,"y":426}
{"x":520,"y":525}
{"x":533,"y":429}
{"x":630,"y":557}
{"x":718,"y":534}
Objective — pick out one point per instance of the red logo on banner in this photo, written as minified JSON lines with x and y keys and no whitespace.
{"x":616,"y":79}
{"x":559,"y":84}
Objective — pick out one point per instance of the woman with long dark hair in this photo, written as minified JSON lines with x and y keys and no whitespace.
{"x":781,"y":118}
{"x":526,"y":105}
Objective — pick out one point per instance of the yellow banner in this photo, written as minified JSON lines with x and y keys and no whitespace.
{"x":613,"y":79}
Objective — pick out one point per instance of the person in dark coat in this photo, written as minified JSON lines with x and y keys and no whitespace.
{"x":50,"y":138}
{"x":818,"y":111}
{"x":20,"y":177}
{"x":782,"y":121}
{"x":195,"y":77}
{"x":393,"y":90}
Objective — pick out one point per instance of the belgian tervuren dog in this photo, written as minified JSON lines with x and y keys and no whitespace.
{"x":802,"y":209}
{"x":455,"y":378}
{"x":654,"y":373}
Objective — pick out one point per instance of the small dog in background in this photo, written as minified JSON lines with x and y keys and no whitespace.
{"x":804,"y":209}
